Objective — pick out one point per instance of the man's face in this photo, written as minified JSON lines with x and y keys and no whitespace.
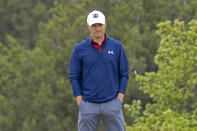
{"x":97,"y":30}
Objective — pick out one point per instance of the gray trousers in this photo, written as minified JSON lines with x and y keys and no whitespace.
{"x":111,"y":113}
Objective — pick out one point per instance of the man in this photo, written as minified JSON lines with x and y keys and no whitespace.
{"x":99,"y":75}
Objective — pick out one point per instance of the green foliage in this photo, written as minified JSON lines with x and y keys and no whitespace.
{"x":21,"y":19}
{"x":36,"y":40}
{"x":133,"y":111}
{"x":173,"y":86}
{"x":33,"y":95}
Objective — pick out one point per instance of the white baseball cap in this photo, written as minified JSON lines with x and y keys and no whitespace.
{"x":95,"y":17}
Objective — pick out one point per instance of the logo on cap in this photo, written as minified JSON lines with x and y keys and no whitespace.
{"x":95,"y":15}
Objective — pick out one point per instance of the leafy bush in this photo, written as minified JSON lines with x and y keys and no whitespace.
{"x":173,"y":86}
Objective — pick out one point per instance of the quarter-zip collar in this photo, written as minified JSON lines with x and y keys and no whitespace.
{"x":96,"y":45}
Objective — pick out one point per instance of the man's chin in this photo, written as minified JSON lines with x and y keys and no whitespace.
{"x":98,"y":36}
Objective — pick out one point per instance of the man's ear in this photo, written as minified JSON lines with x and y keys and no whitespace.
{"x":105,"y":24}
{"x":87,"y":26}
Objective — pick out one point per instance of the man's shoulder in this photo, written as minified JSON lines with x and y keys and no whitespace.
{"x":82,"y":43}
{"x":114,"y":41}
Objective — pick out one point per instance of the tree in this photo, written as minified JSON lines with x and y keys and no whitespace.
{"x":35,"y":90}
{"x":33,"y":95}
{"x":173,"y":86}
{"x":21,"y":19}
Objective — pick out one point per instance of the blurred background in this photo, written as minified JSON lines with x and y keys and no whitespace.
{"x":36,"y":41}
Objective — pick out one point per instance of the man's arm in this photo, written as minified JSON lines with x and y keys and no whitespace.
{"x":123,"y":74}
{"x":75,"y":74}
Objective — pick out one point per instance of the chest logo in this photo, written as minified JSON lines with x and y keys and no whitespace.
{"x":110,"y":52}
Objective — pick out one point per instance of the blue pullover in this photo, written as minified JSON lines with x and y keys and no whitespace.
{"x":98,"y":76}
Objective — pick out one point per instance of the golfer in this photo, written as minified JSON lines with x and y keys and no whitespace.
{"x":99,"y":76}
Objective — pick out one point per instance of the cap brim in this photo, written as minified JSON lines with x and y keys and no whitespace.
{"x":96,"y":21}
